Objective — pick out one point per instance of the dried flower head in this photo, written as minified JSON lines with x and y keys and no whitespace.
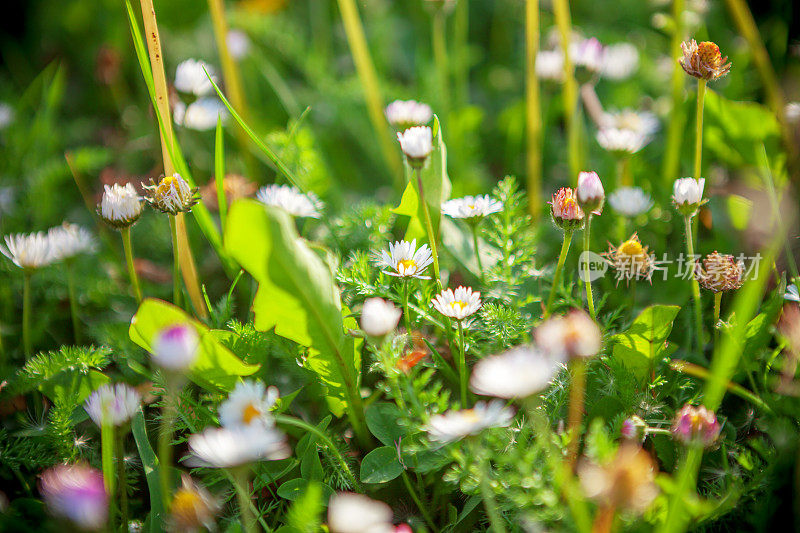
{"x":193,"y":508}
{"x":76,"y":492}
{"x":404,"y":114}
{"x":121,"y":206}
{"x":458,"y":304}
{"x":171,"y":195}
{"x":565,"y":210}
{"x":630,"y":259}
{"x":695,"y":425}
{"x":720,"y":273}
{"x":627,"y":482}
{"x":703,"y":61}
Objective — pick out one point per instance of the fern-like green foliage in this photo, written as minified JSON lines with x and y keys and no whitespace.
{"x":50,"y":366}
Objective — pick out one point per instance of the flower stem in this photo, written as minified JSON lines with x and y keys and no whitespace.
{"x":428,"y":226}
{"x":586,"y":245}
{"x":626,"y":176}
{"x":128,"y":247}
{"x":570,"y":92}
{"x":406,"y":312}
{"x":489,"y":502}
{"x":242,"y":485}
{"x":26,"y":314}
{"x":461,"y":38}
{"x":176,"y":263}
{"x":369,"y":81}
{"x":107,"y":460}
{"x":462,"y":365}
{"x":533,"y":109}
{"x":576,"y":400}
{"x":698,"y":140}
{"x":717,"y":306}
{"x":421,"y":506}
{"x":122,"y":481}
{"x":73,"y":303}
{"x":687,"y":479}
{"x":165,"y":443}
{"x":562,"y":257}
{"x":296,"y":422}
{"x":474,"y":228}
{"x":698,"y":317}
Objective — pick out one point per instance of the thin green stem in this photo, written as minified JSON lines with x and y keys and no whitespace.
{"x":717,"y":306}
{"x":687,"y":480}
{"x":176,"y":263}
{"x":296,"y":422}
{"x":698,"y":312}
{"x":489,"y":502}
{"x":421,"y":506}
{"x":26,"y":314}
{"x":165,"y":444}
{"x":474,"y":228}
{"x":128,"y":247}
{"x":562,"y":257}
{"x":428,"y":226}
{"x":533,"y":110}
{"x":73,"y":303}
{"x":406,"y":313}
{"x":242,"y":484}
{"x":462,"y":365}
{"x":107,"y":460}
{"x":122,"y":480}
{"x":626,"y":175}
{"x":587,"y":280}
{"x":698,"y":141}
{"x":576,"y":401}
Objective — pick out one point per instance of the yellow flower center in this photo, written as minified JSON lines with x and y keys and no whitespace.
{"x":631,"y":247}
{"x":459,"y":304}
{"x":166,"y":184}
{"x":249,"y":413}
{"x":569,"y":203}
{"x":407,"y":264}
{"x":185,"y":507}
{"x":709,"y":53}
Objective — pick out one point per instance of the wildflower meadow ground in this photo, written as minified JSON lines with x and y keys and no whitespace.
{"x":417,"y":266}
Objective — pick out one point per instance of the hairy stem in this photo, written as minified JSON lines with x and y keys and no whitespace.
{"x":462,"y":365}
{"x":421,"y":506}
{"x":26,"y":314}
{"x":176,"y":263}
{"x":474,"y":228}
{"x":562,"y":257}
{"x":73,"y":302}
{"x":122,"y":480}
{"x":107,"y":461}
{"x":242,"y":484}
{"x":576,"y":401}
{"x":128,"y":247}
{"x":698,"y":312}
{"x":698,"y":139}
{"x":165,"y":443}
{"x":586,"y":246}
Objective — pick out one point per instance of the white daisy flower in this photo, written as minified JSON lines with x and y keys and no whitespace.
{"x":200,"y":115}
{"x":28,"y":250}
{"x":459,"y":305}
{"x":249,"y":403}
{"x":175,"y":348}
{"x":643,"y":123}
{"x":687,"y":194}
{"x":620,"y":141}
{"x":417,"y":144}
{"x":113,"y":403}
{"x":231,"y":447}
{"x":191,"y":79}
{"x":517,"y":373}
{"x":472,"y":207}
{"x":291,"y":200}
{"x":455,"y":425}
{"x":620,"y":61}
{"x":355,"y":513}
{"x":404,"y":114}
{"x":238,"y":43}
{"x":792,"y":294}
{"x":630,"y":201}
{"x":571,"y":336}
{"x":587,"y":57}
{"x":121,"y":206}
{"x":379,"y":317}
{"x":405,"y":260}
{"x":550,"y":65}
{"x":69,"y":240}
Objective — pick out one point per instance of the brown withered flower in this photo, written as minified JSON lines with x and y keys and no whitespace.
{"x":627,"y":482}
{"x":703,"y":61}
{"x":719,"y":273}
{"x":630,"y":260}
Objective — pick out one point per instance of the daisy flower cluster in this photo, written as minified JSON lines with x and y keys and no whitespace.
{"x":31,"y":251}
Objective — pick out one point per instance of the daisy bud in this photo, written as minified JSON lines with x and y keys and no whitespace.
{"x":171,"y":195}
{"x":703,"y":61}
{"x":193,"y":508}
{"x":695,"y":425}
{"x":379,"y":317}
{"x":405,"y":114}
{"x":687,"y":194}
{"x":120,"y":206}
{"x":564,"y":209}
{"x":633,"y":429}
{"x":590,"y":192}
{"x":574,"y":335}
{"x":355,"y":513}
{"x":77,"y":493}
{"x":113,"y":404}
{"x":175,"y":348}
{"x":587,"y":56}
{"x":720,"y":273}
{"x":627,"y":482}
{"x":417,"y":144}
{"x":191,"y":79}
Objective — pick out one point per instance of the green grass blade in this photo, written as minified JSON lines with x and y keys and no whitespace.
{"x":219,"y":173}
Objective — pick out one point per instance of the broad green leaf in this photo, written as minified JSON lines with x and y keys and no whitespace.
{"x":645,"y":340}
{"x":381,"y":465}
{"x":296,"y":295}
{"x":295,"y":488}
{"x":382,"y":421}
{"x":436,"y":189}
{"x":216,"y":367}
